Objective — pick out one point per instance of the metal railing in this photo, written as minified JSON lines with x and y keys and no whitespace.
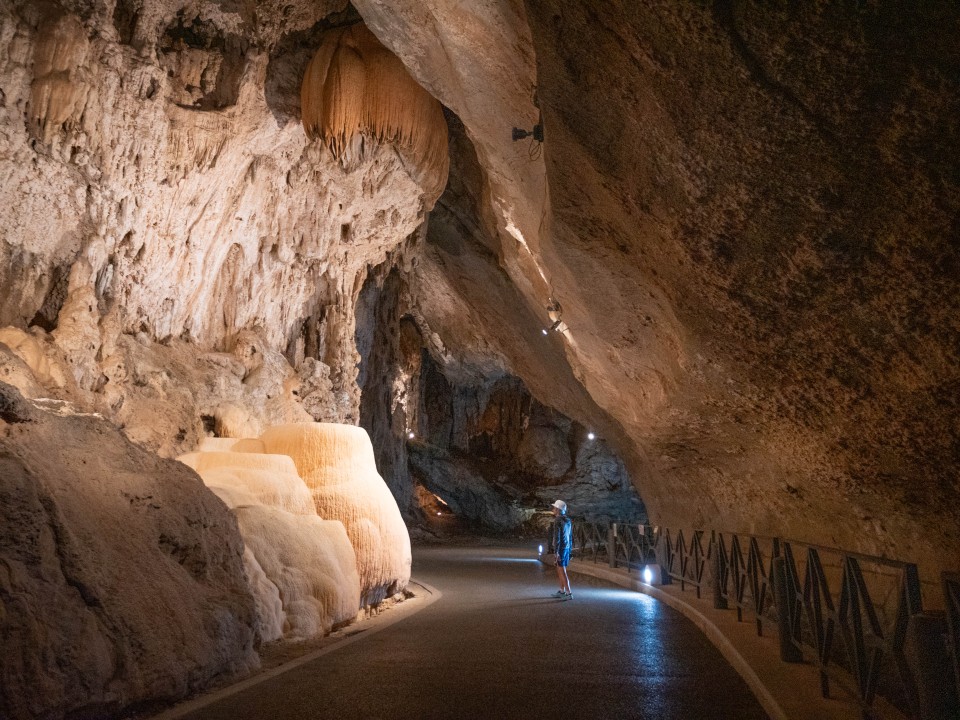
{"x":951,"y":596}
{"x":848,"y":613}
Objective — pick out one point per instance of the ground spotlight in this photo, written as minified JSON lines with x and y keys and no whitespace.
{"x":652,"y":574}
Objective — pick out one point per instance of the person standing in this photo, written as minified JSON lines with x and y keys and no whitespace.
{"x":562,"y":544}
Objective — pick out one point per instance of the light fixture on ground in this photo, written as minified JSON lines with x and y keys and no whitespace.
{"x":652,"y":574}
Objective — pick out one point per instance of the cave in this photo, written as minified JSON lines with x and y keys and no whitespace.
{"x":290,"y":289}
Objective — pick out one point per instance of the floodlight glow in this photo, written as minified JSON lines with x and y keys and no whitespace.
{"x":591,"y":436}
{"x":544,"y":331}
{"x":410,"y":435}
{"x":438,"y":512}
{"x":647,"y":575}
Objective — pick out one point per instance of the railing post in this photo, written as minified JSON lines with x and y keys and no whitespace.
{"x":612,"y":545}
{"x":930,"y":666}
{"x":789,"y":652}
{"x":719,"y":575}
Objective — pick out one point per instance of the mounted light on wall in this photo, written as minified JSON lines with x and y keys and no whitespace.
{"x":537,"y":132}
{"x":410,"y":434}
{"x":591,"y":436}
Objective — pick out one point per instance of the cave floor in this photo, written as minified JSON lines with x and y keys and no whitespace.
{"x":496,"y":645}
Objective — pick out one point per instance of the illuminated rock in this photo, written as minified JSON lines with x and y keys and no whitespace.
{"x":121,"y":576}
{"x":356,"y":95}
{"x":310,"y":562}
{"x":302,"y":570}
{"x":46,"y":371}
{"x":337,"y":463}
{"x":267,"y":479}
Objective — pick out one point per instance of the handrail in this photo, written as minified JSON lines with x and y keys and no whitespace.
{"x":830,"y":606}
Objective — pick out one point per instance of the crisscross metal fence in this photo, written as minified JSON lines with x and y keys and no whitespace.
{"x":848,"y":613}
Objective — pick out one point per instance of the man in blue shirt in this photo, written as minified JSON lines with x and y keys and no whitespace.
{"x":562,"y":543}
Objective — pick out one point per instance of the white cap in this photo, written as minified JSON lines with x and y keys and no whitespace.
{"x":560,"y":505}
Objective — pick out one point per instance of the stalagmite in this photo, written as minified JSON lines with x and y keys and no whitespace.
{"x":356,"y":95}
{"x":337,"y":463}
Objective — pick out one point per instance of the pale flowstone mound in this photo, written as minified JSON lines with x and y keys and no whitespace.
{"x":311,"y":564}
{"x":266,"y":479}
{"x":337,"y":463}
{"x":302,"y":570}
{"x":122,"y":577}
{"x":224,"y":444}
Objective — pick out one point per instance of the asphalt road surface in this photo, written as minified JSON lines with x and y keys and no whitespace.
{"x":497,"y":646}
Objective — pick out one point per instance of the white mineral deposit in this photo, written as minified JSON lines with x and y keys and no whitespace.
{"x":337,"y":463}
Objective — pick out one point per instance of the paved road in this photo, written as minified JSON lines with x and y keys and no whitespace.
{"x":496,"y":646}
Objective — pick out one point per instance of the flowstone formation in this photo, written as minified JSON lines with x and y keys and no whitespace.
{"x":324,"y":536}
{"x":336,"y":462}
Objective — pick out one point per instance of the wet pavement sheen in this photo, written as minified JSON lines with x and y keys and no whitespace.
{"x":497,"y":646}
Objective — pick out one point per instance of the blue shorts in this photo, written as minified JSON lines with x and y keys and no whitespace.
{"x":563,"y":558}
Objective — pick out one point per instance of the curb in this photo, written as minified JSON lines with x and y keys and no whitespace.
{"x":430,"y":596}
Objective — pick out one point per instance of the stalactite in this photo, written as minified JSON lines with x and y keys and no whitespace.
{"x":356,"y":95}
{"x":59,"y":90}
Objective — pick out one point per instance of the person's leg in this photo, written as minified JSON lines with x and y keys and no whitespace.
{"x":564,"y":579}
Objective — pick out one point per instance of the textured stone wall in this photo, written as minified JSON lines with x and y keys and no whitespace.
{"x":160,"y":187}
{"x":496,"y":455}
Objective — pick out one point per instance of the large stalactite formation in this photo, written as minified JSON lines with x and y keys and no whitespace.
{"x":733,"y":259}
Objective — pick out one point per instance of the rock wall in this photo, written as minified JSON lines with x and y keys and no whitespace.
{"x":122,"y":577}
{"x":496,"y":456}
{"x":748,"y":218}
{"x":161,"y":187}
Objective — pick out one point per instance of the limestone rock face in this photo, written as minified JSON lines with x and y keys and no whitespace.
{"x":749,"y":223}
{"x":337,"y":463}
{"x":154,"y":193}
{"x":122,"y":579}
{"x":496,"y":456}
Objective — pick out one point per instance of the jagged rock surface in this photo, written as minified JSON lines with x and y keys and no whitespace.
{"x":122,"y":577}
{"x":497,"y":456}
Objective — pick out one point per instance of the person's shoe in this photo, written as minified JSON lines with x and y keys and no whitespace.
{"x":559,"y":594}
{"x":568,"y":596}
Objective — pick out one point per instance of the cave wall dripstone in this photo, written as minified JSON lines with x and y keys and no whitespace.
{"x":160,"y":187}
{"x":496,"y":455}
